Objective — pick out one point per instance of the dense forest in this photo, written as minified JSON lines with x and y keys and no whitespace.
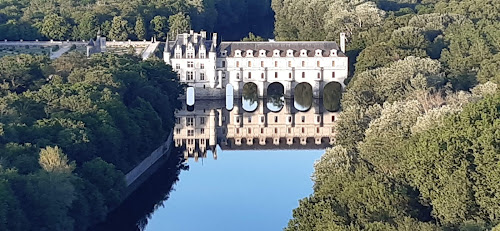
{"x":69,"y":130}
{"x":418,"y":142}
{"x":135,"y":19}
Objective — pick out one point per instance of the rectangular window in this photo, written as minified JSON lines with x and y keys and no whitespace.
{"x":177,"y":66}
{"x":249,"y":119}
{"x":190,"y":64}
{"x":249,"y":63}
{"x":177,"y":55}
{"x":261,"y":63}
{"x":249,"y":75}
{"x":237,"y":63}
{"x":275,"y":74}
{"x":202,"y":55}
{"x":333,"y":74}
{"x":202,"y":66}
{"x":249,"y":131}
{"x":223,"y":63}
{"x":289,"y":63}
{"x":303,"y":74}
{"x":202,"y":120}
{"x":177,"y":120}
{"x":303,"y":119}
{"x":202,"y":131}
{"x":190,"y":133}
{"x":177,"y":131}
{"x":262,"y":130}
{"x":202,"y":76}
{"x":333,"y":63}
{"x":189,"y":75}
{"x":303,"y":63}
{"x":275,"y":63}
{"x":189,"y":121}
{"x":190,"y":55}
{"x":318,"y":64}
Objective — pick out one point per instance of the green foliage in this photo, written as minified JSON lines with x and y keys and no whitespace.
{"x":178,"y":24}
{"x":55,"y":27}
{"x":120,"y":29}
{"x":140,"y":28}
{"x":105,"y":113}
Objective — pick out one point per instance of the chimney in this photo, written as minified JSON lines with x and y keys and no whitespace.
{"x":342,"y":42}
{"x":195,"y":38}
{"x":185,"y":37}
{"x":203,"y":34}
{"x":214,"y":39}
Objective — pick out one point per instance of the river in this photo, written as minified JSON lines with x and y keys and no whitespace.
{"x":239,"y":169}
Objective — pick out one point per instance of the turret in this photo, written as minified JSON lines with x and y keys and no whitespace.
{"x":166,"y":52}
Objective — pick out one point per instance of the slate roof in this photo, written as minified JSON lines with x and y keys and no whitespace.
{"x":311,"y":47}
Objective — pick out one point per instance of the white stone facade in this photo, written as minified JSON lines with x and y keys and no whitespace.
{"x":209,"y":65}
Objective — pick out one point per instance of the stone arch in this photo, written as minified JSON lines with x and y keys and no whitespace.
{"x":275,"y":96}
{"x":250,"y":96}
{"x":332,"y":94}
{"x":303,"y":96}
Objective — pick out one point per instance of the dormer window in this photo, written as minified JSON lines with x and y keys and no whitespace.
{"x":303,"y":53}
{"x":276,"y":53}
{"x":289,"y":53}
{"x":237,"y":53}
{"x":333,"y":52}
{"x":262,"y":53}
{"x":190,"y":55}
{"x":202,"y":55}
{"x":250,"y":53}
{"x":319,"y":52}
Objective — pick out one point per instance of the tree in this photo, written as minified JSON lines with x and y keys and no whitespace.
{"x":120,"y":30}
{"x":159,"y":24}
{"x":178,"y":23}
{"x":252,"y":37}
{"x":140,"y":28}
{"x":52,"y":159}
{"x":87,"y":27}
{"x":55,"y":27}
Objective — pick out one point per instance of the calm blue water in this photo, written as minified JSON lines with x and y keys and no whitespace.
{"x":241,"y":190}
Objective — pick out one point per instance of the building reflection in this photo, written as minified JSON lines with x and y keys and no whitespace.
{"x":205,"y":125}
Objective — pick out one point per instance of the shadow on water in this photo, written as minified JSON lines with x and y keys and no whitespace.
{"x":303,"y":97}
{"x":250,"y":97}
{"x":275,"y":97}
{"x":331,"y":96}
{"x":134,"y":212}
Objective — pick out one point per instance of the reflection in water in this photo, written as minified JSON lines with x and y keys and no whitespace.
{"x":331,"y":96}
{"x":303,"y":96}
{"x":210,"y":125}
{"x":134,"y":212}
{"x":275,"y":97}
{"x":250,"y":96}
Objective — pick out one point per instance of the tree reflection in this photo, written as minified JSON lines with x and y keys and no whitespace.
{"x":250,"y":92}
{"x":331,"y":96}
{"x":275,"y":96}
{"x":303,"y":96}
{"x":134,"y":212}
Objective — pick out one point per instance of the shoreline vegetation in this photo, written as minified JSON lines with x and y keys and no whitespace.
{"x":417,"y":145}
{"x":69,"y":130}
